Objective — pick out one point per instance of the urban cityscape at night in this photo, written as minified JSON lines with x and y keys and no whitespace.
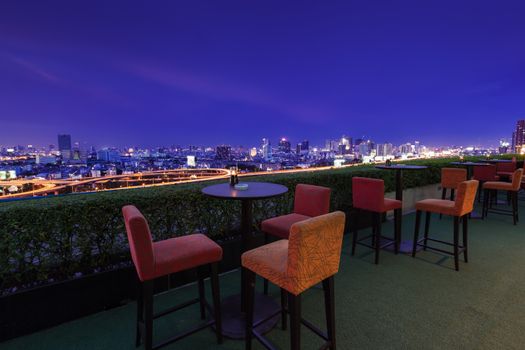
{"x":73,"y":167}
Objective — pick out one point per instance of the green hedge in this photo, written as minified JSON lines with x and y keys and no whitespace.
{"x":51,"y":239}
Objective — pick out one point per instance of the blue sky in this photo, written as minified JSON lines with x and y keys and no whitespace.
{"x":210,"y":72}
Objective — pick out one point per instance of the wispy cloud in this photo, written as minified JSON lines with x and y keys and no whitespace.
{"x":226,"y":91}
{"x":34,"y":69}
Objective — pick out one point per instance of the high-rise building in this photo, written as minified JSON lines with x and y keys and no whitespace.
{"x":332,"y":145}
{"x":223,"y":152}
{"x":518,"y":137}
{"x":384,"y":149}
{"x":284,"y":146}
{"x":64,"y":146}
{"x":266,"y":149}
{"x":303,"y":147}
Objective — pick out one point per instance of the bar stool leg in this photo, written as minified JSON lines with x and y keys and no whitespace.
{"x":215,"y":290}
{"x":516,"y":206}
{"x":284,"y":315}
{"x":427,"y":228}
{"x":452,"y":194}
{"x":140,"y":314}
{"x":250,"y":293}
{"x":465,"y":239}
{"x":397,"y":219}
{"x":329,"y":303}
{"x":266,"y":241}
{"x":200,"y":284}
{"x":377,"y":220}
{"x":486,"y":199}
{"x":416,"y":233}
{"x":294,"y":304}
{"x":456,"y":242}
{"x":356,"y":225}
{"x":148,"y":314}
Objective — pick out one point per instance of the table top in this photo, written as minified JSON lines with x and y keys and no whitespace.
{"x":401,"y":167}
{"x":470,"y":163}
{"x":256,"y":190}
{"x":497,"y":161}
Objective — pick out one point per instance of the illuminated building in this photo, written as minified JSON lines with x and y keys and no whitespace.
{"x":64,"y":146}
{"x":284,"y":146}
{"x":518,"y":137}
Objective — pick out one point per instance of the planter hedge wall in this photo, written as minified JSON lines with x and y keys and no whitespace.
{"x":51,"y":239}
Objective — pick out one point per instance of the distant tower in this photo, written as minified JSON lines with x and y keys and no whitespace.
{"x":284,"y":146}
{"x":518,"y":137}
{"x":64,"y":146}
{"x":266,"y":149}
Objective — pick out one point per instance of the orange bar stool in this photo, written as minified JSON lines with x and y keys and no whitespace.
{"x":157,"y":259}
{"x":512,"y":189}
{"x":368,"y":195}
{"x":309,"y":201}
{"x":483,"y":174}
{"x":459,"y":208}
{"x":310,"y":255}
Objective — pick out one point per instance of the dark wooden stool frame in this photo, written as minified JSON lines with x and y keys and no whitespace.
{"x":490,"y":197}
{"x":291,"y":305}
{"x":145,"y":315}
{"x":458,"y":249}
{"x":376,"y":236}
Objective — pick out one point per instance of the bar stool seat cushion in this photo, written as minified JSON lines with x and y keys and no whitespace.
{"x":392,"y":204}
{"x":280,"y":226}
{"x":505,"y":173}
{"x":440,"y":206}
{"x":184,"y":253}
{"x":498,"y":185}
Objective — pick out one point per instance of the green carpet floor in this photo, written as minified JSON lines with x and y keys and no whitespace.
{"x":402,"y":303}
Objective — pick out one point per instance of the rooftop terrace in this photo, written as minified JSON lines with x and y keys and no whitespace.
{"x":402,"y":303}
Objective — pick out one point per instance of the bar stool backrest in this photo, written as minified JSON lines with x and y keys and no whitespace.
{"x":507,"y":167}
{"x":516,"y":179}
{"x":311,"y":200}
{"x":464,"y":203}
{"x":314,"y":250}
{"x":485,"y":173}
{"x":452,"y":177}
{"x":368,"y":194}
{"x":140,"y":242}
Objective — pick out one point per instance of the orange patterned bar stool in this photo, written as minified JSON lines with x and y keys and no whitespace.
{"x":512,"y":189}
{"x":309,"y":201}
{"x":460,"y":208}
{"x":368,"y":195}
{"x":310,"y":255}
{"x":157,"y":259}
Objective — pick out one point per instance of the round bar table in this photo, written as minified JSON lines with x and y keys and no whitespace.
{"x":470,"y":166}
{"x":405,"y":246}
{"x":233,"y":316}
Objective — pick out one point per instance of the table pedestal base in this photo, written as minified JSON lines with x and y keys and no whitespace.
{"x":233,"y":320}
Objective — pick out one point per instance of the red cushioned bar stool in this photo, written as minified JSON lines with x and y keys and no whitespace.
{"x":310,"y":201}
{"x":368,"y":195}
{"x":153,"y":260}
{"x":483,"y":174}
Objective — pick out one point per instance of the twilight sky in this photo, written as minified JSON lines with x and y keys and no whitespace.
{"x":208,"y":72}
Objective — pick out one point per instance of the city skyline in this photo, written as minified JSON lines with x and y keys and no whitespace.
{"x":234,"y":73}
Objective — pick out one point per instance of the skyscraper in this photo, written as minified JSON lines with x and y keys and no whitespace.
{"x":64,"y":146}
{"x":518,"y":137}
{"x":266,"y":149}
{"x":284,"y":146}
